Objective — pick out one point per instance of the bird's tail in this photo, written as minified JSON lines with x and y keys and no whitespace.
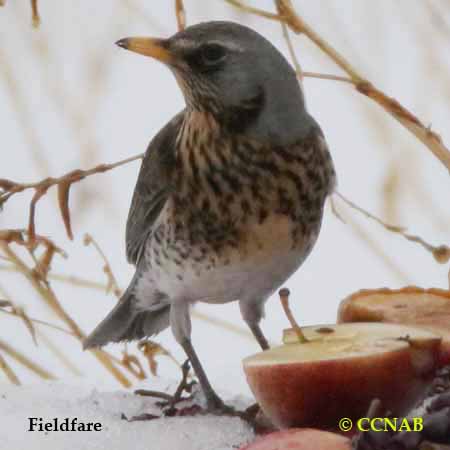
{"x":126,"y":323}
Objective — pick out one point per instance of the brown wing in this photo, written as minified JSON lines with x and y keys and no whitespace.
{"x":152,"y":187}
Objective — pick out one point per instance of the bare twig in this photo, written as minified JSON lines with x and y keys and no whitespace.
{"x":10,"y":188}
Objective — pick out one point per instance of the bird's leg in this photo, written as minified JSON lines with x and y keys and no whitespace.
{"x":180,"y":322}
{"x":214,"y":402}
{"x":252,"y":312}
{"x":259,"y":335}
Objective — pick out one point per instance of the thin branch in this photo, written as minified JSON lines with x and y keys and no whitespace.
{"x":9,"y":188}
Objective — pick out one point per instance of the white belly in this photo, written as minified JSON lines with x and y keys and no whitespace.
{"x":265,"y":260}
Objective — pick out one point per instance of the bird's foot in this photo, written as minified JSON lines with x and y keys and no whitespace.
{"x":168,"y":402}
{"x":215,"y":405}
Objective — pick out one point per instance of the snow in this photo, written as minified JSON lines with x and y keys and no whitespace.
{"x":54,"y":399}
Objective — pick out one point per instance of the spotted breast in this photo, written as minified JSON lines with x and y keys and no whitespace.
{"x":242,"y":216}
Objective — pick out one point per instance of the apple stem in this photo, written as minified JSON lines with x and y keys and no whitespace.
{"x":284,"y":297}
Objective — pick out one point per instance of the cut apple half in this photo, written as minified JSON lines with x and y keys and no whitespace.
{"x":425,"y":308}
{"x":340,"y":370}
{"x":300,"y":439}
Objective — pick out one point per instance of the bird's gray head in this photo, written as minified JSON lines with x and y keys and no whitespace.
{"x":237,"y":75}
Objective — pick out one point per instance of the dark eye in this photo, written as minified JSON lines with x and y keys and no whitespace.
{"x":212,"y":54}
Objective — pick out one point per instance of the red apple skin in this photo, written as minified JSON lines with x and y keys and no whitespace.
{"x":318,"y":394}
{"x":352,"y":309}
{"x":300,"y":439}
{"x":444,"y":356}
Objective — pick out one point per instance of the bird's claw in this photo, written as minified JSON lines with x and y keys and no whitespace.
{"x":217,"y":407}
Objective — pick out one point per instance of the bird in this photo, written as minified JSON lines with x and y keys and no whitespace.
{"x":230,"y":195}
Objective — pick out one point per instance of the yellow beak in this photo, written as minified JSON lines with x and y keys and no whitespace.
{"x":147,"y":46}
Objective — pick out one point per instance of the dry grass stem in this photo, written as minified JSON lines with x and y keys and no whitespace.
{"x":12,"y":377}
{"x":326,"y":76}
{"x":36,"y":20}
{"x":19,"y":312}
{"x":249,"y":9}
{"x":180,"y":12}
{"x":112,"y":285}
{"x":9,"y":188}
{"x":290,"y":46}
{"x":69,"y":279}
{"x":36,"y":321}
{"x":440,"y":253}
{"x":151,"y":350}
{"x":376,"y":249}
{"x":134,"y":366}
{"x":25,"y":361}
{"x":284,"y":298}
{"x":59,"y":353}
{"x":42,"y":287}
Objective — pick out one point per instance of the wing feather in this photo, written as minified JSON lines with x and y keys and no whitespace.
{"x":152,"y":187}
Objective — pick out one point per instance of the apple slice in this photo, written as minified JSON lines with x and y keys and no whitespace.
{"x":425,"y":308}
{"x":340,"y":370}
{"x":300,"y":439}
